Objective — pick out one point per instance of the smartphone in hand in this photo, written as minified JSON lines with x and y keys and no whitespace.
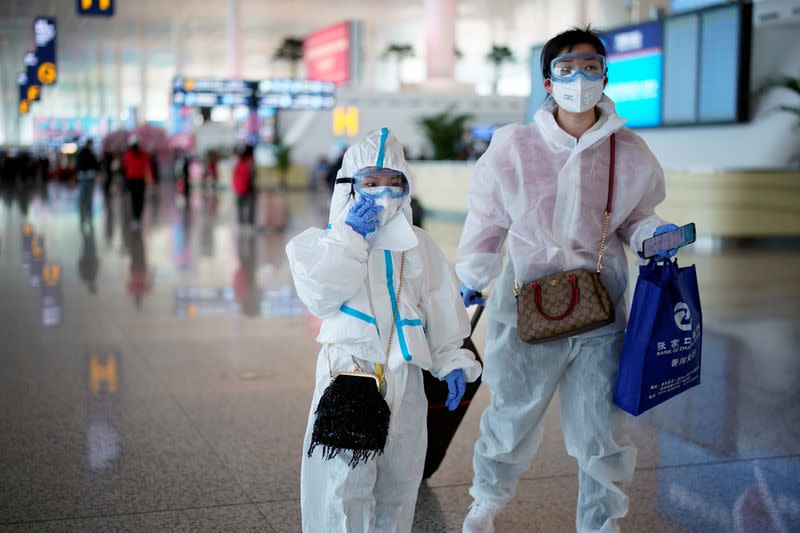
{"x":669,"y":240}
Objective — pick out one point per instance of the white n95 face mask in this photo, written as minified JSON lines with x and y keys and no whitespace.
{"x":390,"y":208}
{"x":578,"y":95}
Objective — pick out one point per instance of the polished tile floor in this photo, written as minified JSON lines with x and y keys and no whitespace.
{"x":160,"y":381}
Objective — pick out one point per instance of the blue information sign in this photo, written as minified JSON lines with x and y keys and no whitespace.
{"x":22,"y":86}
{"x":44,"y":37}
{"x":276,"y":94}
{"x":635,"y":59}
{"x":34,"y":87}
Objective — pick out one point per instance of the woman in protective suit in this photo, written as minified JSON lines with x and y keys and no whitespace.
{"x":538,"y":199}
{"x":349,"y":275}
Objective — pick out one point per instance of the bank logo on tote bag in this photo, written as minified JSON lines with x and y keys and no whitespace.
{"x":683,"y":317}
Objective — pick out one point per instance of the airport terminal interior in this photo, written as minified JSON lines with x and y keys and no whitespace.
{"x":157,"y":372}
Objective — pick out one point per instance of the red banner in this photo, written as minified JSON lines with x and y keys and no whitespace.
{"x":327,"y":54}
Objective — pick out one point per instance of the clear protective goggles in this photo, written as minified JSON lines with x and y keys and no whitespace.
{"x":375,"y":182}
{"x":567,"y":67}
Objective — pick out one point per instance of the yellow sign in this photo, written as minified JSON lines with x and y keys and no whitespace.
{"x":33,"y":93}
{"x":103,"y":373}
{"x":47,"y":73}
{"x":51,"y":274}
{"x":24,"y":107}
{"x":345,"y":121}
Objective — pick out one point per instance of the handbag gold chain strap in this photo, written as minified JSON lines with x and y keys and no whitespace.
{"x":391,"y":330}
{"x":606,"y":217}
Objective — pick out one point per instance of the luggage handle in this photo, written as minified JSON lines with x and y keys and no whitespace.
{"x":576,"y":295}
{"x":476,"y":316}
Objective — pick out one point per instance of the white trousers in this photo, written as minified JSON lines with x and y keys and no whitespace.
{"x":378,"y":496}
{"x":522,"y":379}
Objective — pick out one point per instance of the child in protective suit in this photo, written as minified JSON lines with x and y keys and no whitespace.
{"x":350,"y":275}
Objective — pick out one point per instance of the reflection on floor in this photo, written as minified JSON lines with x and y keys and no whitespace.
{"x":160,"y":381}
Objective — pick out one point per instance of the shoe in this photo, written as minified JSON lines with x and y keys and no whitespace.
{"x":481,"y":517}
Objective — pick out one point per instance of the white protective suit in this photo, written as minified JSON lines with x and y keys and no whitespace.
{"x":543,"y":193}
{"x":351,"y":284}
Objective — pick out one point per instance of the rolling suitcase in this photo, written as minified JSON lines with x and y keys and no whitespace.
{"x":443,"y":423}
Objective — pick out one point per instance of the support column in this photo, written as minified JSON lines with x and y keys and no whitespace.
{"x":142,"y":113}
{"x":119,"y":106}
{"x":234,"y":35}
{"x":440,"y":39}
{"x":177,"y":39}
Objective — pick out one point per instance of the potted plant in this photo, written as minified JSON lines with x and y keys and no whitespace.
{"x":445,"y":131}
{"x":401,"y":52}
{"x":499,"y":56}
{"x":291,"y":51}
{"x":283,"y":161}
{"x":787,"y":83}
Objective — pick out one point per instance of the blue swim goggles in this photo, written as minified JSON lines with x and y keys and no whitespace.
{"x":376,"y":182}
{"x":566,"y":68}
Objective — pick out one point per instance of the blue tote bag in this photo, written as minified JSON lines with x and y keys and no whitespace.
{"x":661,"y":353}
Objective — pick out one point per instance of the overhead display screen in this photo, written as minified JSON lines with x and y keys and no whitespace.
{"x":681,"y":39}
{"x":719,"y":64}
{"x":635,"y":59}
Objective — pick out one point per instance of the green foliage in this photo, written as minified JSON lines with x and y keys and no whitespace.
{"x":444,"y":132}
{"x":291,"y":51}
{"x":500,"y":55}
{"x":787,"y":83}
{"x":401,"y":51}
{"x":283,"y":160}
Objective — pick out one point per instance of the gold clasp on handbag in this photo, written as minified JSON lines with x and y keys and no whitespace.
{"x":357,"y":372}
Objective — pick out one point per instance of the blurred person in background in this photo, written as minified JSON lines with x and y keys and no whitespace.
{"x":154,"y":168}
{"x":108,"y":172}
{"x":244,"y":188}
{"x":318,"y":172}
{"x":185,"y":184}
{"x":86,"y":166}
{"x":137,"y":171}
{"x":211,"y":171}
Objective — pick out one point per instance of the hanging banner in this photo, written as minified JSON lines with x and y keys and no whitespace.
{"x":22,"y":85}
{"x":44,"y":37}
{"x":327,"y":54}
{"x":34,"y":87}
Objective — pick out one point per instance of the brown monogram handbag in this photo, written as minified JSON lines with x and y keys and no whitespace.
{"x":567,"y":303}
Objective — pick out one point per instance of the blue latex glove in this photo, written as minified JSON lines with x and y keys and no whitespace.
{"x":471,"y":297}
{"x":361,"y":216}
{"x":457,"y":386}
{"x":665,"y":255}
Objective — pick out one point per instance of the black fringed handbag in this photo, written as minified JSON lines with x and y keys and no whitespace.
{"x":352,"y":414}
